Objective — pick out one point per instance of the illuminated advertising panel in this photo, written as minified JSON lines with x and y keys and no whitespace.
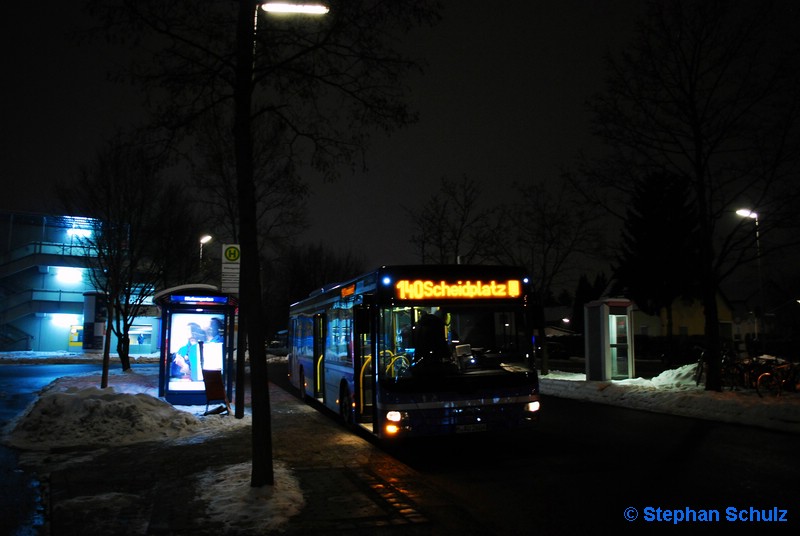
{"x":420,"y":289}
{"x":196,"y":343}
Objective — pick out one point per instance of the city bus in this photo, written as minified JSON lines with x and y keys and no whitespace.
{"x":411,"y":351}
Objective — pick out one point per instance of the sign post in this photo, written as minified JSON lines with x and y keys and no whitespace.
{"x":231,"y":257}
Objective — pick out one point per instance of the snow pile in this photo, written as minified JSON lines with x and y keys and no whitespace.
{"x":676,"y":392}
{"x":72,"y":412}
{"x":93,"y":417}
{"x":259,"y":510}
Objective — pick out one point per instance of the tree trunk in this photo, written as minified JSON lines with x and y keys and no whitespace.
{"x":713,"y":345}
{"x":670,"y":339}
{"x":251,"y":308}
{"x":106,"y":353}
{"x":124,"y":351}
{"x":542,"y":338}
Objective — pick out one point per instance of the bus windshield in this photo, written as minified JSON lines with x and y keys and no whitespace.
{"x":432,"y":341}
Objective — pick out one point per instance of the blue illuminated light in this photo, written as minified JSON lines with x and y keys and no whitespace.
{"x":387,"y":280}
{"x":199,"y":299}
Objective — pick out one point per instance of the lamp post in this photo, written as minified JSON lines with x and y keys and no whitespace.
{"x":747,"y":213}
{"x":251,"y":315}
{"x":205,"y":239}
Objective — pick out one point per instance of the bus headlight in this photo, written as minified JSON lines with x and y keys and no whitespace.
{"x":393,"y":416}
{"x":394,"y":422}
{"x":532,"y":406}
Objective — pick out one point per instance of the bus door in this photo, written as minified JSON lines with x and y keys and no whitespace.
{"x":318,"y":374}
{"x":364,"y":365}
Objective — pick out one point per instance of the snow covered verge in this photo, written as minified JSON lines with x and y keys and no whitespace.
{"x":73,"y":419}
{"x":675,"y":392}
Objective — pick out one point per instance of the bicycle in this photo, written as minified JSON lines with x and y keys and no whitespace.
{"x":744,"y":372}
{"x":783,"y":377}
{"x":732,"y":369}
{"x":700,"y":369}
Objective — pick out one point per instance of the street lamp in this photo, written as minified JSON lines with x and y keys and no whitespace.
{"x":251,"y":315}
{"x":205,"y":239}
{"x":747,"y":213}
{"x":284,"y":7}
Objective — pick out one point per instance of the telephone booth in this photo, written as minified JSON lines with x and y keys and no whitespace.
{"x":609,"y":339}
{"x":197,"y":334}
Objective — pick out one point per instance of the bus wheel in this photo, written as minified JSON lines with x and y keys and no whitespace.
{"x":345,"y":408}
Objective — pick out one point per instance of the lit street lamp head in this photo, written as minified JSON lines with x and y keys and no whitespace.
{"x":285,"y":7}
{"x":747,"y":213}
{"x":205,"y":239}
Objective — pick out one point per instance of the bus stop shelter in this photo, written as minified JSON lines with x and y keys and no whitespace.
{"x":197,"y":334}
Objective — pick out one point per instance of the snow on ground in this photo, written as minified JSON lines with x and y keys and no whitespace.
{"x":94,"y":417}
{"x":675,"y":392}
{"x":74,"y":412}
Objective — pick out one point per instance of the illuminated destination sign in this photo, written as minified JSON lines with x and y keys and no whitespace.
{"x":349,"y":290}
{"x":422,"y":289}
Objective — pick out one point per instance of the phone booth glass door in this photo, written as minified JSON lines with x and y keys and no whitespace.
{"x":618,"y":344}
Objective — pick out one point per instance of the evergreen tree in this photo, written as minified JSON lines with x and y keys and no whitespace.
{"x":659,"y":252}
{"x":707,"y":91}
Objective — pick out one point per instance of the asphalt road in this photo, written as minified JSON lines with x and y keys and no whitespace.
{"x":19,"y":494}
{"x":587,"y":467}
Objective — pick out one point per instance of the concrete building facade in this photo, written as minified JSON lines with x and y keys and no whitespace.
{"x":46,"y":290}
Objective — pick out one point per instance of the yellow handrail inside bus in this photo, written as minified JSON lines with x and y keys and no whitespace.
{"x":361,"y":383}
{"x":391,"y":363}
{"x":384,"y":353}
{"x":319,"y":374}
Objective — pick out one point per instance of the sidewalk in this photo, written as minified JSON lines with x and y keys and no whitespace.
{"x":349,"y":485}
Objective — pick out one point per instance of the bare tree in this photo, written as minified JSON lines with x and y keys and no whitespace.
{"x":280,"y":190}
{"x":309,"y":267}
{"x":324,"y":84}
{"x":549,"y":231}
{"x":126,"y":192}
{"x":448,"y":227}
{"x":706,"y":92}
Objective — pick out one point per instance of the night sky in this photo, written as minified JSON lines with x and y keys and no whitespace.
{"x":502,"y":101}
